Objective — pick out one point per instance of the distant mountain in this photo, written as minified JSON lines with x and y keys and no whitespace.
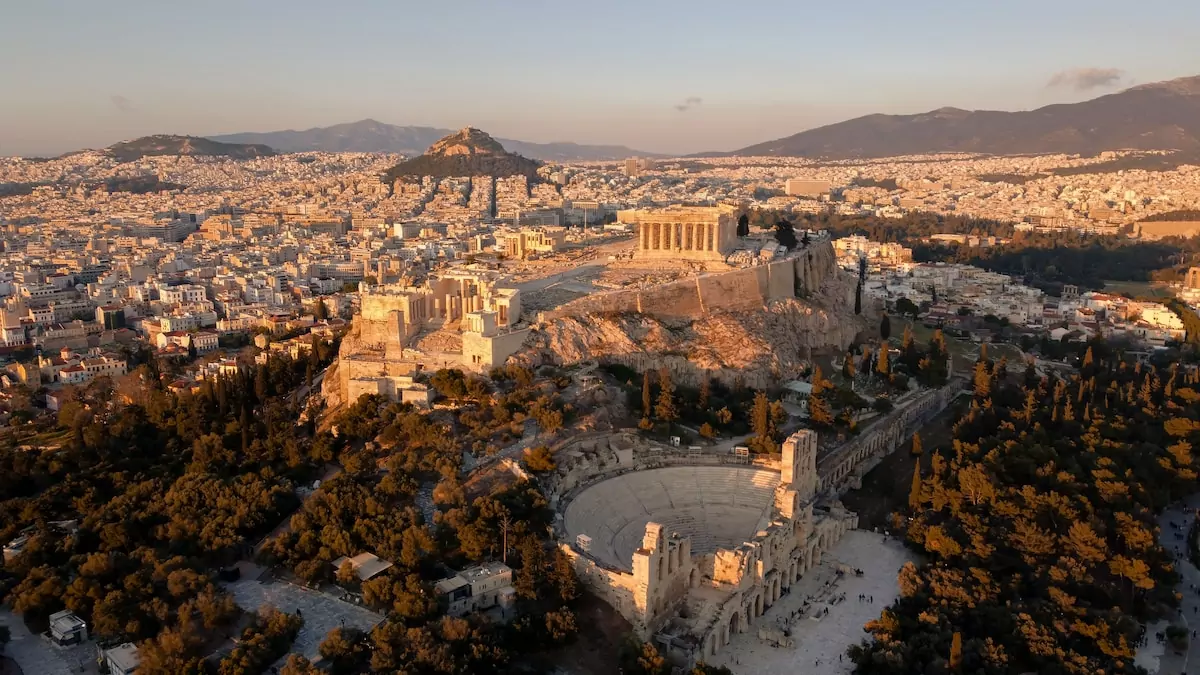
{"x":150,"y":146}
{"x":373,"y":136}
{"x":1159,"y":116}
{"x":469,"y":152}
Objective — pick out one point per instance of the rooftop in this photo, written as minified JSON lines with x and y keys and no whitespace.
{"x":366,"y":565}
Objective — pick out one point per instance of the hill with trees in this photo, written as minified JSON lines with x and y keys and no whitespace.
{"x":469,"y":152}
{"x":153,"y":146}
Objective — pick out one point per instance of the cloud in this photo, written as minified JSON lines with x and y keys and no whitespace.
{"x":123,"y":104}
{"x":1083,"y":79}
{"x":689,"y":103}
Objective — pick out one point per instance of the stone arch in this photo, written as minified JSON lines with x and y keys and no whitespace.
{"x":694,"y":578}
{"x":735,"y":626}
{"x":758,"y":605}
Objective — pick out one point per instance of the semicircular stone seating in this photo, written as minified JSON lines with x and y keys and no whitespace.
{"x":715,"y":506}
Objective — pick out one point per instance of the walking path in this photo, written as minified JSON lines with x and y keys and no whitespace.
{"x":36,"y":655}
{"x":1156,"y":656}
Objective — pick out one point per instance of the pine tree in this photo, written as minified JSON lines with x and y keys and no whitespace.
{"x":956,"y":651}
{"x":885,"y":328}
{"x":881,"y":363}
{"x":916,"y":444}
{"x":914,"y":494}
{"x":705,"y":393}
{"x":848,"y":367}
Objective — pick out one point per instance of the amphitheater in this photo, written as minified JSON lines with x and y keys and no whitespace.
{"x":712,"y":506}
{"x":691,"y":546}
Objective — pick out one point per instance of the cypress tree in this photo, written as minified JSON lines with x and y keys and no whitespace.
{"x":914,"y":494}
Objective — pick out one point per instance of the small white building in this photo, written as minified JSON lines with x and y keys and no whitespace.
{"x":67,"y":629}
{"x":477,"y":588}
{"x":122,"y":659}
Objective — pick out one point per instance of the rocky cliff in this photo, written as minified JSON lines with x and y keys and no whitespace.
{"x":757,"y":341}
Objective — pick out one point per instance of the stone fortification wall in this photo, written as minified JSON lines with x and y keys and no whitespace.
{"x":737,"y":290}
{"x":844,"y":468}
{"x":371,"y":326}
{"x":1168,"y":228}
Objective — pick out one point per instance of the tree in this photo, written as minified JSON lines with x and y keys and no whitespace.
{"x":907,"y":307}
{"x":533,"y":562}
{"x":760,"y":416}
{"x":785,"y":234}
{"x":881,"y":362}
{"x":540,"y":460}
{"x":983,"y":380}
{"x":647,"y":397}
{"x":743,"y":225}
{"x":707,"y":431}
{"x":343,"y":648}
{"x":858,"y":298}
{"x":820,"y":414}
{"x":956,"y":651}
{"x":705,"y":393}
{"x":916,"y":443}
{"x":320,"y":311}
{"x":562,"y":577}
{"x":885,"y":328}
{"x":262,"y":389}
{"x":848,"y":367}
{"x":914,"y":493}
{"x":666,"y":410}
{"x":642,"y":658}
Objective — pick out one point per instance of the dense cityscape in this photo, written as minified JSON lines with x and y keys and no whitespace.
{"x":904,"y":394}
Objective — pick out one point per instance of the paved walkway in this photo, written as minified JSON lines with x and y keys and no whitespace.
{"x":1161,"y":658}
{"x":821,"y":643}
{"x":321,"y":613}
{"x":36,"y":655}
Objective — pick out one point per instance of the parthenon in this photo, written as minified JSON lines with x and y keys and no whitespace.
{"x":681,"y":232}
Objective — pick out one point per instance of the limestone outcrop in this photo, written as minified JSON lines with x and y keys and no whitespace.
{"x":738,"y":335}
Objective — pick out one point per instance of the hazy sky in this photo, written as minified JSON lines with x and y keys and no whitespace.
{"x":657,"y":75}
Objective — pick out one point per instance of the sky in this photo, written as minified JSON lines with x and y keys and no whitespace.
{"x":657,"y":75}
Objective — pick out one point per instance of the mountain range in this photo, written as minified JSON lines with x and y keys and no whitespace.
{"x":469,"y":152}
{"x":374,"y":136}
{"x":1158,"y":116}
